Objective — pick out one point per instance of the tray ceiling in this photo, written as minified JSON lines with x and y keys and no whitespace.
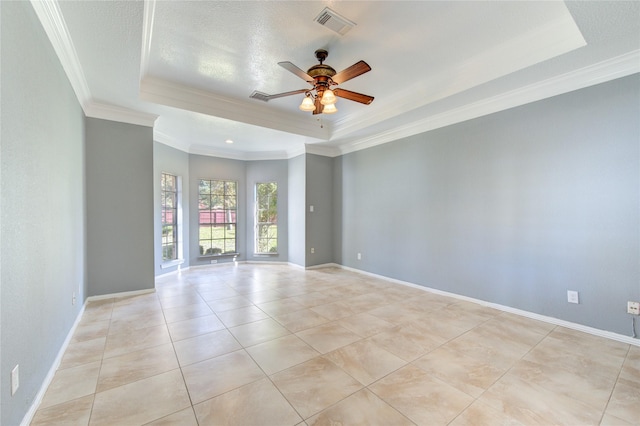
{"x":188,"y":68}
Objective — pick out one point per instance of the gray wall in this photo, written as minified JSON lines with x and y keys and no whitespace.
{"x":119,"y":171}
{"x":42,"y":249}
{"x":204,"y":167}
{"x":268,"y":171}
{"x":514,"y":208}
{"x":297,"y":208}
{"x":173,"y":161}
{"x":319,"y":194}
{"x":337,"y":210}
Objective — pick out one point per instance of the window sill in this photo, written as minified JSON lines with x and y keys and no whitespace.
{"x":265,"y":254}
{"x":171,"y":263}
{"x":213,"y":256}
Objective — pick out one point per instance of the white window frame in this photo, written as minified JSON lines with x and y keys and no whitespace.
{"x":225,"y":223}
{"x":177,"y":223}
{"x":258,"y":224}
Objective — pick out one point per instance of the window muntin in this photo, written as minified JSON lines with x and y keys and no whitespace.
{"x":217,"y":210}
{"x":169,"y":220}
{"x":266,"y":218}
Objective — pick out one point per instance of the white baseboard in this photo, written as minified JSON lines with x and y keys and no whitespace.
{"x":28,"y":417}
{"x":324,"y":265}
{"x":551,"y":320}
{"x":174,"y":272}
{"x":266,"y":262}
{"x":122,"y":294}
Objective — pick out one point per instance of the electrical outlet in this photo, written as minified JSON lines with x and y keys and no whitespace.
{"x":15,"y":379}
{"x":572,"y":296}
{"x":73,"y":298}
{"x":313,"y":250}
{"x":359,"y":256}
{"x":633,"y":308}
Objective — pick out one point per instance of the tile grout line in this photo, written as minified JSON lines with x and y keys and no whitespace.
{"x":615,"y":383}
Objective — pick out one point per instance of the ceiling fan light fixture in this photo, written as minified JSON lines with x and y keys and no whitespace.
{"x":328,"y":98}
{"x":307,"y":104}
{"x":330,"y":109}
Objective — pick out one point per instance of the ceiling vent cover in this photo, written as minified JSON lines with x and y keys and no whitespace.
{"x":330,"y":19}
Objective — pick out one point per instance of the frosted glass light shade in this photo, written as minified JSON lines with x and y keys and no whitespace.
{"x":307,"y":104}
{"x":330,"y":109}
{"x":328,"y":98}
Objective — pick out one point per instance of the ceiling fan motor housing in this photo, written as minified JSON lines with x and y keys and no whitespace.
{"x":321,"y":73}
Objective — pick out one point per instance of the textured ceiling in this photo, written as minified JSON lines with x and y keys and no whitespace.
{"x":194,"y":64}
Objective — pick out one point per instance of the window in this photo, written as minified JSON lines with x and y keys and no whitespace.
{"x":217,"y":216}
{"x":169,"y":188}
{"x":266,"y":218}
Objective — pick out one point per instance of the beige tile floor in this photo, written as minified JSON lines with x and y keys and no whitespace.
{"x":277,"y":345}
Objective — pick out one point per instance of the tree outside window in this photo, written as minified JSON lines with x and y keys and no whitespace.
{"x":266,"y":218}
{"x":217,"y":208}
{"x":169,"y":200}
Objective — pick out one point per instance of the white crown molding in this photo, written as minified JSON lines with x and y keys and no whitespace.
{"x":165,"y":139}
{"x":324,"y":150}
{"x":52,"y":21}
{"x":293,"y":153}
{"x":147,"y":34}
{"x":179,"y":96}
{"x":237,"y":155}
{"x":541,"y":43}
{"x":116,"y":113}
{"x":232,"y":155}
{"x":247,"y":156}
{"x":601,"y":72}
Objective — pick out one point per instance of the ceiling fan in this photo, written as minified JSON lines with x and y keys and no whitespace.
{"x":321,"y":98}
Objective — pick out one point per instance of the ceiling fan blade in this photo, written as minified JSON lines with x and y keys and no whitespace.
{"x":354,"y":70}
{"x":353,"y":96}
{"x":319,"y":106}
{"x":281,"y":95}
{"x":297,"y":71}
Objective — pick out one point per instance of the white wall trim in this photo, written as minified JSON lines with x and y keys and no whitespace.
{"x":116,"y":113}
{"x":176,"y":95}
{"x":237,"y":155}
{"x":147,"y":34}
{"x":295,"y":265}
{"x":266,"y":262}
{"x":611,"y":69}
{"x":121,"y":294}
{"x":324,"y":265}
{"x":550,"y":320}
{"x":553,"y":38}
{"x":55,"y":27}
{"x":215,"y":265}
{"x":52,"y":21}
{"x":165,"y":139}
{"x":176,"y":271}
{"x":324,"y":150}
{"x":28,"y":417}
{"x":166,"y":264}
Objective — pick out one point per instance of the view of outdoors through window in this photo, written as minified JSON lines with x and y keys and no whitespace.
{"x":217,"y":207}
{"x":169,"y":188}
{"x":266,"y":217}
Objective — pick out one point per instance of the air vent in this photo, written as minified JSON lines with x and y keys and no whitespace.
{"x":260,"y":96}
{"x":330,"y":19}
